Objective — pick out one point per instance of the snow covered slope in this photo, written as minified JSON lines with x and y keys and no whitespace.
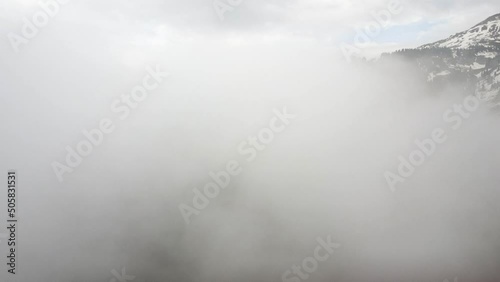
{"x":485,"y":34}
{"x":471,"y":58}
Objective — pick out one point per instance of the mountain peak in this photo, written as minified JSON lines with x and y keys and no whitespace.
{"x":485,"y":34}
{"x":490,"y":19}
{"x":471,"y":57}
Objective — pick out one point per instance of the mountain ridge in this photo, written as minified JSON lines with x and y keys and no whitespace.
{"x":471,"y":57}
{"x":485,"y":33}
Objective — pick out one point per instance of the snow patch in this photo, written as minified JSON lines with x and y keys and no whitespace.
{"x":477,"y":66}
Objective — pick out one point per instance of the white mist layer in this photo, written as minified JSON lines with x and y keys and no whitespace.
{"x":324,"y":175}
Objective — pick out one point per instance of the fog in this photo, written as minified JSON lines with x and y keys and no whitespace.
{"x":321,"y":176}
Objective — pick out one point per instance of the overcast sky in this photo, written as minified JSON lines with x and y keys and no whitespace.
{"x":158,"y":22}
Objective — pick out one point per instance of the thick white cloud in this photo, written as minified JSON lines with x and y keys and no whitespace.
{"x":324,"y":177}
